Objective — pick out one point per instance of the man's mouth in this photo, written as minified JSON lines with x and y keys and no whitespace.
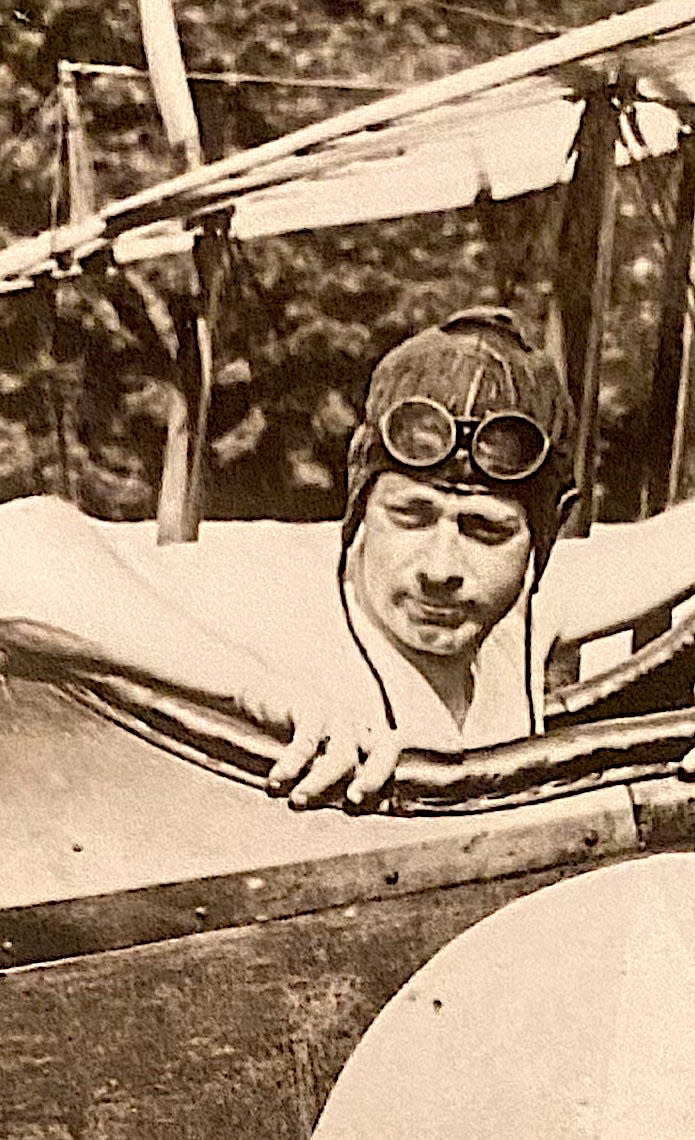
{"x":449,"y":615}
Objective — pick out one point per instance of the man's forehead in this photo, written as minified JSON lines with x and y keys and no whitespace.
{"x":462,"y":496}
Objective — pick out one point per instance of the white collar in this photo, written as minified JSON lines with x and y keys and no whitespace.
{"x":499,"y":707}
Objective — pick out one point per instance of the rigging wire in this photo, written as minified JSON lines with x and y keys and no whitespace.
{"x":234,"y":78}
{"x":655,"y":212}
{"x":514,"y":22}
{"x":34,"y":116}
{"x":655,"y":203}
{"x":57,"y":180}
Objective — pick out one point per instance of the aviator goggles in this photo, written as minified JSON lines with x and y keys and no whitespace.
{"x":506,"y":446}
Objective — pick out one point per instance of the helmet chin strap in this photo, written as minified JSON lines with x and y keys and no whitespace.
{"x":345,"y":572}
{"x":568,"y":500}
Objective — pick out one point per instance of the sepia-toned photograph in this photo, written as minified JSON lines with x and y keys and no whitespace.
{"x":347,"y":570}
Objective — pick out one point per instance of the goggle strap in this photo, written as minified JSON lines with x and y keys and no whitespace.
{"x":473,"y":391}
{"x":500,"y":320}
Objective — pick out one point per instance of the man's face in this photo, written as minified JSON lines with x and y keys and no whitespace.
{"x":438,"y":569}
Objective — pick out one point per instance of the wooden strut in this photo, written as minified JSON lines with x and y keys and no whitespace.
{"x":209,"y":255}
{"x":181,"y":493}
{"x":687,"y":362}
{"x":80,"y":174}
{"x":600,"y":297}
{"x":74,"y":198}
{"x":685,"y":384}
{"x":181,"y":496}
{"x":167,"y":71}
{"x":666,"y":419}
{"x":581,"y":295}
{"x":665,"y":422}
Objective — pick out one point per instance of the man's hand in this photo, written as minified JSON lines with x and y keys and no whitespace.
{"x":335,"y":747}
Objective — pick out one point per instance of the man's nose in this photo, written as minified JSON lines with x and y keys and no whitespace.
{"x":439,"y":586}
{"x":441,"y":568}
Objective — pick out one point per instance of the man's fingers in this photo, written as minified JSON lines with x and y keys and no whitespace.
{"x":338,"y":760}
{"x":376,"y":770}
{"x":296,"y":755}
{"x":686,"y":770}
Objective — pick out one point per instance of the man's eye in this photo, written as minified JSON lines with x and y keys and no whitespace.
{"x":483,"y":530}
{"x":412,"y":517}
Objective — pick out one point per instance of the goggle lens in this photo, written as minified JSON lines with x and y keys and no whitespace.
{"x":508,"y":447}
{"x":504,"y":446}
{"x":419,"y":434}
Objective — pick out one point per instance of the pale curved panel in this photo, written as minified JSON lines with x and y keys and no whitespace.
{"x":568,"y":1014}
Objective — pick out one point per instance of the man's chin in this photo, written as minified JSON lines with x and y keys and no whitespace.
{"x":440,"y":640}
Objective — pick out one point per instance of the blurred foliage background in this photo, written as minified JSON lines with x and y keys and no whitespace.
{"x":84,"y":413}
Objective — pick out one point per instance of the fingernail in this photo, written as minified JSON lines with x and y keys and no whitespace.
{"x":298,"y":800}
{"x":273,"y":787}
{"x":355,"y":795}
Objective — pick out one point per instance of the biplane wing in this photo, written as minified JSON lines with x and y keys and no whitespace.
{"x":506,"y":126}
